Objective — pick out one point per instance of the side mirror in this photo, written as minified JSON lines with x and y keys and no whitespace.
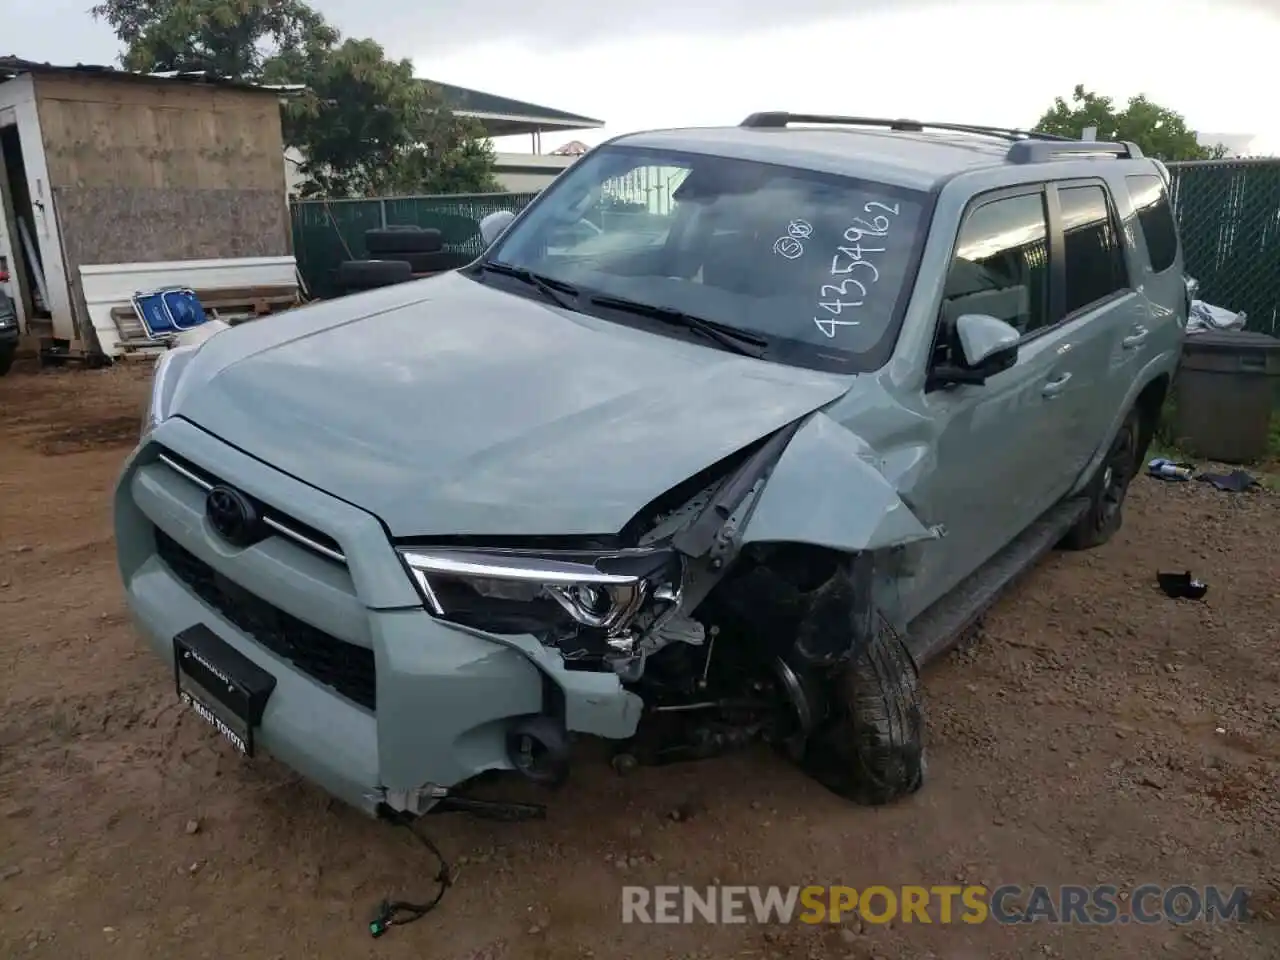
{"x":491,"y":227}
{"x":987,"y":346}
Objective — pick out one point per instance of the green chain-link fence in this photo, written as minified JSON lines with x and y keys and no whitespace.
{"x":1229,"y":217}
{"x":1228,"y":213}
{"x":327,"y":232}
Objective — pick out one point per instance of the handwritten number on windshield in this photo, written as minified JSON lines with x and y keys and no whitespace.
{"x":835,"y":298}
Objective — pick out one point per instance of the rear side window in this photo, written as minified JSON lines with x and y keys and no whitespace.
{"x":1001,"y":264}
{"x":1155,"y":217}
{"x":1095,"y":267}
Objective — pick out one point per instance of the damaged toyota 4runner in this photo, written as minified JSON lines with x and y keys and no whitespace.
{"x":721,"y":439}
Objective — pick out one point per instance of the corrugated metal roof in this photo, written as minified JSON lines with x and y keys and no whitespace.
{"x":528,"y":116}
{"x":11,"y":67}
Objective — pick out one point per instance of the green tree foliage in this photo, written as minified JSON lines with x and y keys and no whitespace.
{"x":1160,"y":132}
{"x":364,"y":125}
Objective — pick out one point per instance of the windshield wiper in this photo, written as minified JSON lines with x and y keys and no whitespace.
{"x":739,"y":341}
{"x":549,"y":287}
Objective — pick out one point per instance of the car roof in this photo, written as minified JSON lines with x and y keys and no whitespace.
{"x":916,"y":159}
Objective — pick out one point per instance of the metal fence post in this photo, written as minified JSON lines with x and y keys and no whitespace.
{"x":382,"y":210}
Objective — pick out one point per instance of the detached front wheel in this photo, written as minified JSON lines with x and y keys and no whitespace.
{"x":870,"y":749}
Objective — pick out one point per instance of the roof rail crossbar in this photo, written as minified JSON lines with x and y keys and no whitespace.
{"x":778,"y":119}
{"x":1034,"y":151}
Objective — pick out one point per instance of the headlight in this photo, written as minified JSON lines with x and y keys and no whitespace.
{"x":583,"y":603}
{"x":168,"y":369}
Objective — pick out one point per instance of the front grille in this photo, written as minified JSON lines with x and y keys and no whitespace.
{"x":277,"y":522}
{"x":345,"y":667}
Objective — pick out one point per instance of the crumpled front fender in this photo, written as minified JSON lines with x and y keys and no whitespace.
{"x":826,"y":490}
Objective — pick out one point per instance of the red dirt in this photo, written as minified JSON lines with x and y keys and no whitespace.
{"x":1098,"y":732}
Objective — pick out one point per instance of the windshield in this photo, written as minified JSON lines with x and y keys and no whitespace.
{"x":818,"y":265}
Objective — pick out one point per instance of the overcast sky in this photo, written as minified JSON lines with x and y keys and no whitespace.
{"x":674,"y":62}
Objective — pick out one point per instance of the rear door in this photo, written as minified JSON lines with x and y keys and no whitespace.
{"x":1098,"y":324}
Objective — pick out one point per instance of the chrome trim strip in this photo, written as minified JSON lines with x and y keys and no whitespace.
{"x":302,"y":539}
{"x":173,"y":465}
{"x":283,"y":529}
{"x":432,"y":600}
{"x":534,"y":570}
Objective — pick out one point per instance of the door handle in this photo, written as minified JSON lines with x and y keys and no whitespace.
{"x":1055,"y":387}
{"x":1136,"y":339}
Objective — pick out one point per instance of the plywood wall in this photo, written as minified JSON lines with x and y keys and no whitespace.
{"x":165,"y":171}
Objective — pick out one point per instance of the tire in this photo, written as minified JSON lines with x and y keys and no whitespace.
{"x":432,"y":262}
{"x":405,"y":239}
{"x":1108,"y":488}
{"x":6,"y":358}
{"x":368,"y":274}
{"x":870,"y":748}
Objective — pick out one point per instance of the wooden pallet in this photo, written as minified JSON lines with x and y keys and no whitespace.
{"x":233,"y":305}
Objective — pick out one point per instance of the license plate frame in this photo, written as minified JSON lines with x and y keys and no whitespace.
{"x":221,"y":685}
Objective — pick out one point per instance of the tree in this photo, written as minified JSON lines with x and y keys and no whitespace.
{"x":1160,"y":132}
{"x":364,"y":124}
{"x":232,"y":38}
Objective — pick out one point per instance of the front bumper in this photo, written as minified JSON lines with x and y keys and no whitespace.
{"x":376,"y":701}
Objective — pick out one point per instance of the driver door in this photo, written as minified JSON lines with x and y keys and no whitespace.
{"x":999,"y":458}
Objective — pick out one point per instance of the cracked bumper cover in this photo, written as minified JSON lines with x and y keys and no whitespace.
{"x":446,"y":697}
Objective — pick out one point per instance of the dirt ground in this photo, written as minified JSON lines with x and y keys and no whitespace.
{"x":1097,"y":732}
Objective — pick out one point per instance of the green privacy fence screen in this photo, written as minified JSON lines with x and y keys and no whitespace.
{"x":1228,"y":213}
{"x":327,"y":232}
{"x":1229,"y":217}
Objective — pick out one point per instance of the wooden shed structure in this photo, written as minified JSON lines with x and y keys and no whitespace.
{"x":104,"y":167}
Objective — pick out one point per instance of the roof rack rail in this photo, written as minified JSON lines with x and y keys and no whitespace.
{"x":1032,"y":151}
{"x":774,"y":120}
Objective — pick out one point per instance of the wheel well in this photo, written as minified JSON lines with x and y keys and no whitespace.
{"x":1149,"y":405}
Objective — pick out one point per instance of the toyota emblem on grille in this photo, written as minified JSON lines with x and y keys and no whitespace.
{"x":232,"y":515}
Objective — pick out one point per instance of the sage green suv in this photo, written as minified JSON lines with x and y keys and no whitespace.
{"x":722,"y":438}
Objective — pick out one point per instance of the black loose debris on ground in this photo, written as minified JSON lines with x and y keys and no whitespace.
{"x":1182,"y":586}
{"x":1237,"y":481}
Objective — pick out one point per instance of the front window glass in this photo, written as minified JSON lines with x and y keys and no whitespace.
{"x":818,"y":265}
{"x":1001,"y":264}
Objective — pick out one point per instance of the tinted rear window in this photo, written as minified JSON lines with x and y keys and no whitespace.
{"x":1155,"y":218}
{"x":1091,"y":243}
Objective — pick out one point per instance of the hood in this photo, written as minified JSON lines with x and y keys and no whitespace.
{"x":448,"y":407}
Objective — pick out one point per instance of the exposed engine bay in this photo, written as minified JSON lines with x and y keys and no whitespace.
{"x":726,"y":644}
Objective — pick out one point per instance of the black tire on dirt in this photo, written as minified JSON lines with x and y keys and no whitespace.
{"x":368,"y":274}
{"x":6,"y":358}
{"x":870,"y":748}
{"x":1108,"y":488}
{"x":432,"y":262}
{"x":407,"y":239}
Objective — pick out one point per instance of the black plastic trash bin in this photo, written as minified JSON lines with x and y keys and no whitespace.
{"x":1225,"y":394}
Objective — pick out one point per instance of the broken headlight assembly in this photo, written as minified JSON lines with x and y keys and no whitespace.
{"x":583,"y":603}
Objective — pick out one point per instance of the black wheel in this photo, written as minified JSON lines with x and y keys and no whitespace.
{"x":1108,"y":488}
{"x":432,"y":262}
{"x":870,"y":747}
{"x":6,"y":358}
{"x":368,"y":274}
{"x":408,"y":238}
